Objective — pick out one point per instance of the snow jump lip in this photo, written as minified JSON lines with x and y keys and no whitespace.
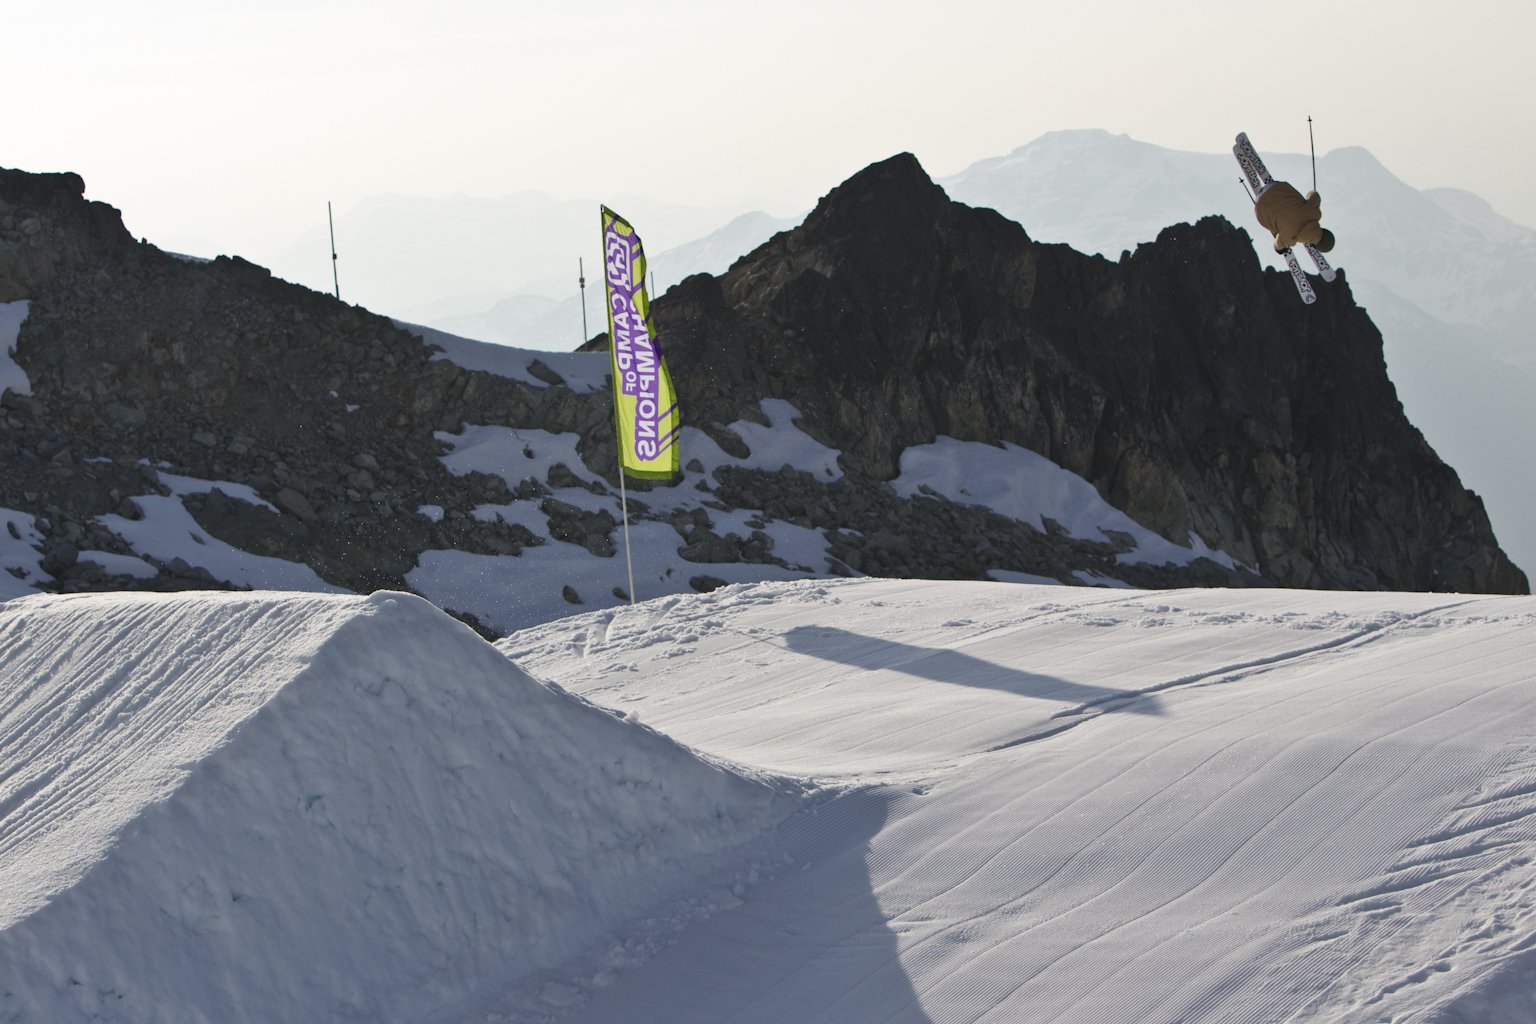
{"x":259,"y":806}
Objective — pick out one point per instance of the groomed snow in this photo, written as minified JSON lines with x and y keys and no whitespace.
{"x":1017,"y":802}
{"x":268,"y":807}
{"x":1082,"y":806}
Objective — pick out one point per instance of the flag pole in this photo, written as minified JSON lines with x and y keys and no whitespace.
{"x":618,"y":448}
{"x":644,"y":401}
{"x":624,"y":505}
{"x":330,"y":220}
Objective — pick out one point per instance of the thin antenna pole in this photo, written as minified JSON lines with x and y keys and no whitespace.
{"x":329,"y":219}
{"x":581,"y":279}
{"x":1313,"y":146}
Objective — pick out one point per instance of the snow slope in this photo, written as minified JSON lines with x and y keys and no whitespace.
{"x":1080,"y":806}
{"x":278,"y":807}
{"x":1014,"y":802}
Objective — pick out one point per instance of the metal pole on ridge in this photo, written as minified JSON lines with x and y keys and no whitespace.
{"x":330,"y":220}
{"x":581,"y":280}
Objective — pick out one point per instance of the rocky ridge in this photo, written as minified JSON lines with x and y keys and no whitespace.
{"x":142,"y":363}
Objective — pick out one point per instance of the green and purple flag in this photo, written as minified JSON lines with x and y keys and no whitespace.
{"x":645,"y":406}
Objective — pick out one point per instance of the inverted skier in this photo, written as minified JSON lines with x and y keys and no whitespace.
{"x":1291,"y":217}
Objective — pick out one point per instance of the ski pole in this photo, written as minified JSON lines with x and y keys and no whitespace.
{"x":1313,"y":146}
{"x":1247,"y":191}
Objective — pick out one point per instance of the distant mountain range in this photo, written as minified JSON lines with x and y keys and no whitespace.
{"x":1445,"y":252}
{"x":431,"y":259}
{"x":534,"y":320}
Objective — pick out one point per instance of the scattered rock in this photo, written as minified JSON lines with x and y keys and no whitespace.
{"x":294,"y":503}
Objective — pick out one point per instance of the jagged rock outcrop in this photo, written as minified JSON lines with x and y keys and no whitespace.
{"x":219,"y":371}
{"x":1193,"y":390}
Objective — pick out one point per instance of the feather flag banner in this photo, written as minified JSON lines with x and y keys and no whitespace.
{"x":645,"y":405}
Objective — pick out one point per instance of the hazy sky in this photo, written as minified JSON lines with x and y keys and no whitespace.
{"x":233,"y":124}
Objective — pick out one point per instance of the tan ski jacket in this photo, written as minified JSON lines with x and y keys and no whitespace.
{"x":1289,"y":217}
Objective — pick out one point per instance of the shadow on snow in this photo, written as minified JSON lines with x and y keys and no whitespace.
{"x":959,"y":669}
{"x":810,"y":944}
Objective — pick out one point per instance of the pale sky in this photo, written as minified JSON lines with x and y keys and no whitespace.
{"x":235,"y":124}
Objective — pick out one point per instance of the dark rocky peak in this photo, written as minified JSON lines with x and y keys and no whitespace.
{"x":892,"y":203}
{"x":1188,"y":384}
{"x":858,"y":280}
{"x":884,"y":231}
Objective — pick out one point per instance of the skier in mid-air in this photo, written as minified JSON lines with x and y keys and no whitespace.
{"x":1292,"y":218}
{"x":1289,"y":216}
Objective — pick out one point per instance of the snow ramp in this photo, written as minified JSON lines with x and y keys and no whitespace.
{"x":278,"y":807}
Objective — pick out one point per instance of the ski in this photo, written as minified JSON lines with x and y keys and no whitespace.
{"x":1303,"y":286}
{"x":1252,"y":165}
{"x":1258,"y":179}
{"x":1321,"y":262}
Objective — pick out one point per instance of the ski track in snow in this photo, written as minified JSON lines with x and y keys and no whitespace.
{"x":1336,"y":823}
